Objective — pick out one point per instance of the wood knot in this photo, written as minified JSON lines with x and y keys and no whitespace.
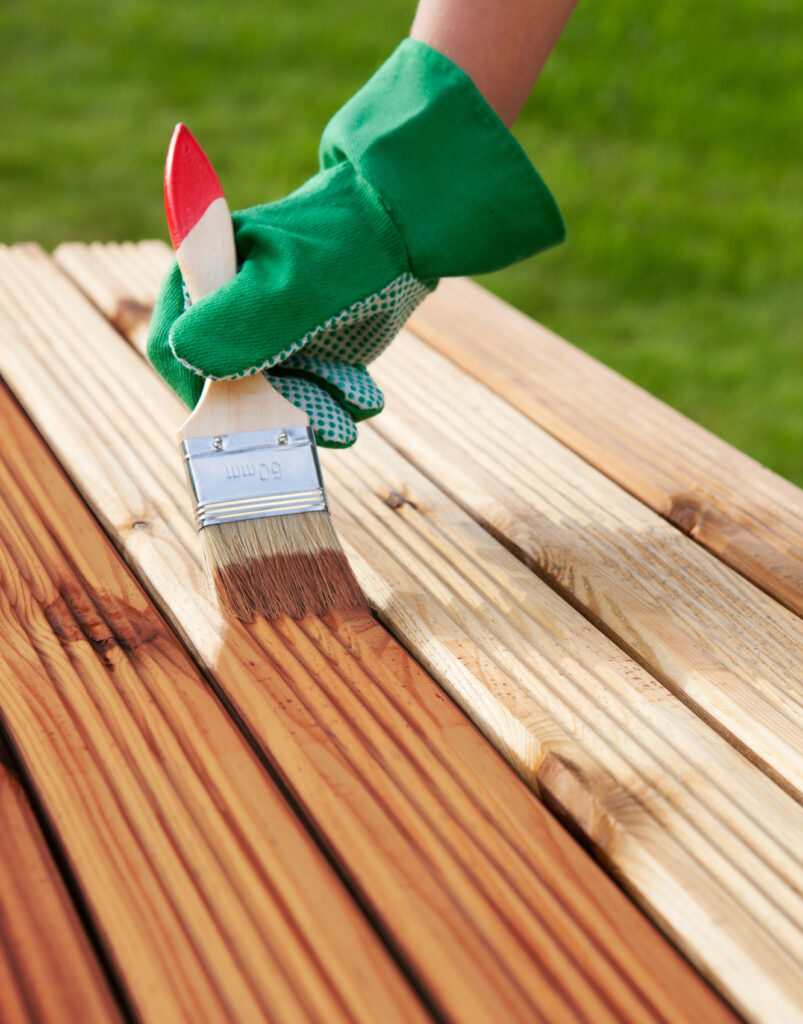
{"x":395,"y":501}
{"x":104,"y":622}
{"x":574,"y":798}
{"x":685,"y":512}
{"x":130,"y":314}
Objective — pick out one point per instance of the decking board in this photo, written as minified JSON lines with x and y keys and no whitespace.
{"x":748,"y":516}
{"x":212,"y":900}
{"x":48,"y":970}
{"x":691,"y":828}
{"x":714,"y":638}
{"x":493,"y":922}
{"x":722,"y":643}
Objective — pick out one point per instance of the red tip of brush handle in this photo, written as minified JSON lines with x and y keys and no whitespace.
{"x":191,"y":184}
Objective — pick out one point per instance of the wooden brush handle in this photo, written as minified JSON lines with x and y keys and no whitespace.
{"x":201,"y":231}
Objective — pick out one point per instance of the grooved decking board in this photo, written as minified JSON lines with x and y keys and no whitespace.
{"x":493,"y":908}
{"x":713,"y":637}
{"x":48,"y":971}
{"x":122,"y":279}
{"x":213,"y":902}
{"x":700,"y":836}
{"x":748,"y":516}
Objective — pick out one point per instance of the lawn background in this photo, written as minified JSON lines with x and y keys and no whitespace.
{"x":670,"y":134}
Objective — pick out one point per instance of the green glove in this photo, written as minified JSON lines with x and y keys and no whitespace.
{"x":335,"y":395}
{"x":419,"y":180}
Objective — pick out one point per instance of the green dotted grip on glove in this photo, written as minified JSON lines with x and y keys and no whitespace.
{"x":418,"y":179}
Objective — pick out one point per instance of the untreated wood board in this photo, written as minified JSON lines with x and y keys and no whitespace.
{"x":48,"y":971}
{"x":493,"y":908}
{"x":748,"y":516}
{"x":213,"y":901}
{"x":714,"y":638}
{"x":706,"y":843}
{"x":121,"y":278}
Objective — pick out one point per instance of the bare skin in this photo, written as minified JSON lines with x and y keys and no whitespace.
{"x":501,"y":44}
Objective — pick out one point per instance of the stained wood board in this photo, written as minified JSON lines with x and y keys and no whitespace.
{"x":747,"y":515}
{"x":48,"y":969}
{"x":493,"y":908}
{"x":213,"y":901}
{"x":695,"y":832}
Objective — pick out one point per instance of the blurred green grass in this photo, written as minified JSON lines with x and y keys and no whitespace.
{"x":670,"y":135}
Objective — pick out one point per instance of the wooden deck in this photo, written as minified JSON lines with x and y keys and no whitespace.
{"x":560,"y":766}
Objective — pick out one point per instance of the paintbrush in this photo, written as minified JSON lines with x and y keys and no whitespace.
{"x":268,"y":542}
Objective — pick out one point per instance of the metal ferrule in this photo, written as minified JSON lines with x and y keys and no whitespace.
{"x":253,"y":475}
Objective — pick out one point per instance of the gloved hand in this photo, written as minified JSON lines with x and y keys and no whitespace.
{"x":419,"y":179}
{"x":334,"y":394}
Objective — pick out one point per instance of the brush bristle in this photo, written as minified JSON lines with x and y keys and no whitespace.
{"x":279,"y":565}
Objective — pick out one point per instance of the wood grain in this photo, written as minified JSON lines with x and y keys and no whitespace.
{"x":748,"y":516}
{"x":696,"y":833}
{"x":122,"y":278}
{"x":723,"y":645}
{"x":48,"y":970}
{"x":673,"y":809}
{"x":213,"y":901}
{"x":496,"y":912}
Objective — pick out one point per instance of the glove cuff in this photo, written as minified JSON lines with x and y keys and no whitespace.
{"x":461,"y":190}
